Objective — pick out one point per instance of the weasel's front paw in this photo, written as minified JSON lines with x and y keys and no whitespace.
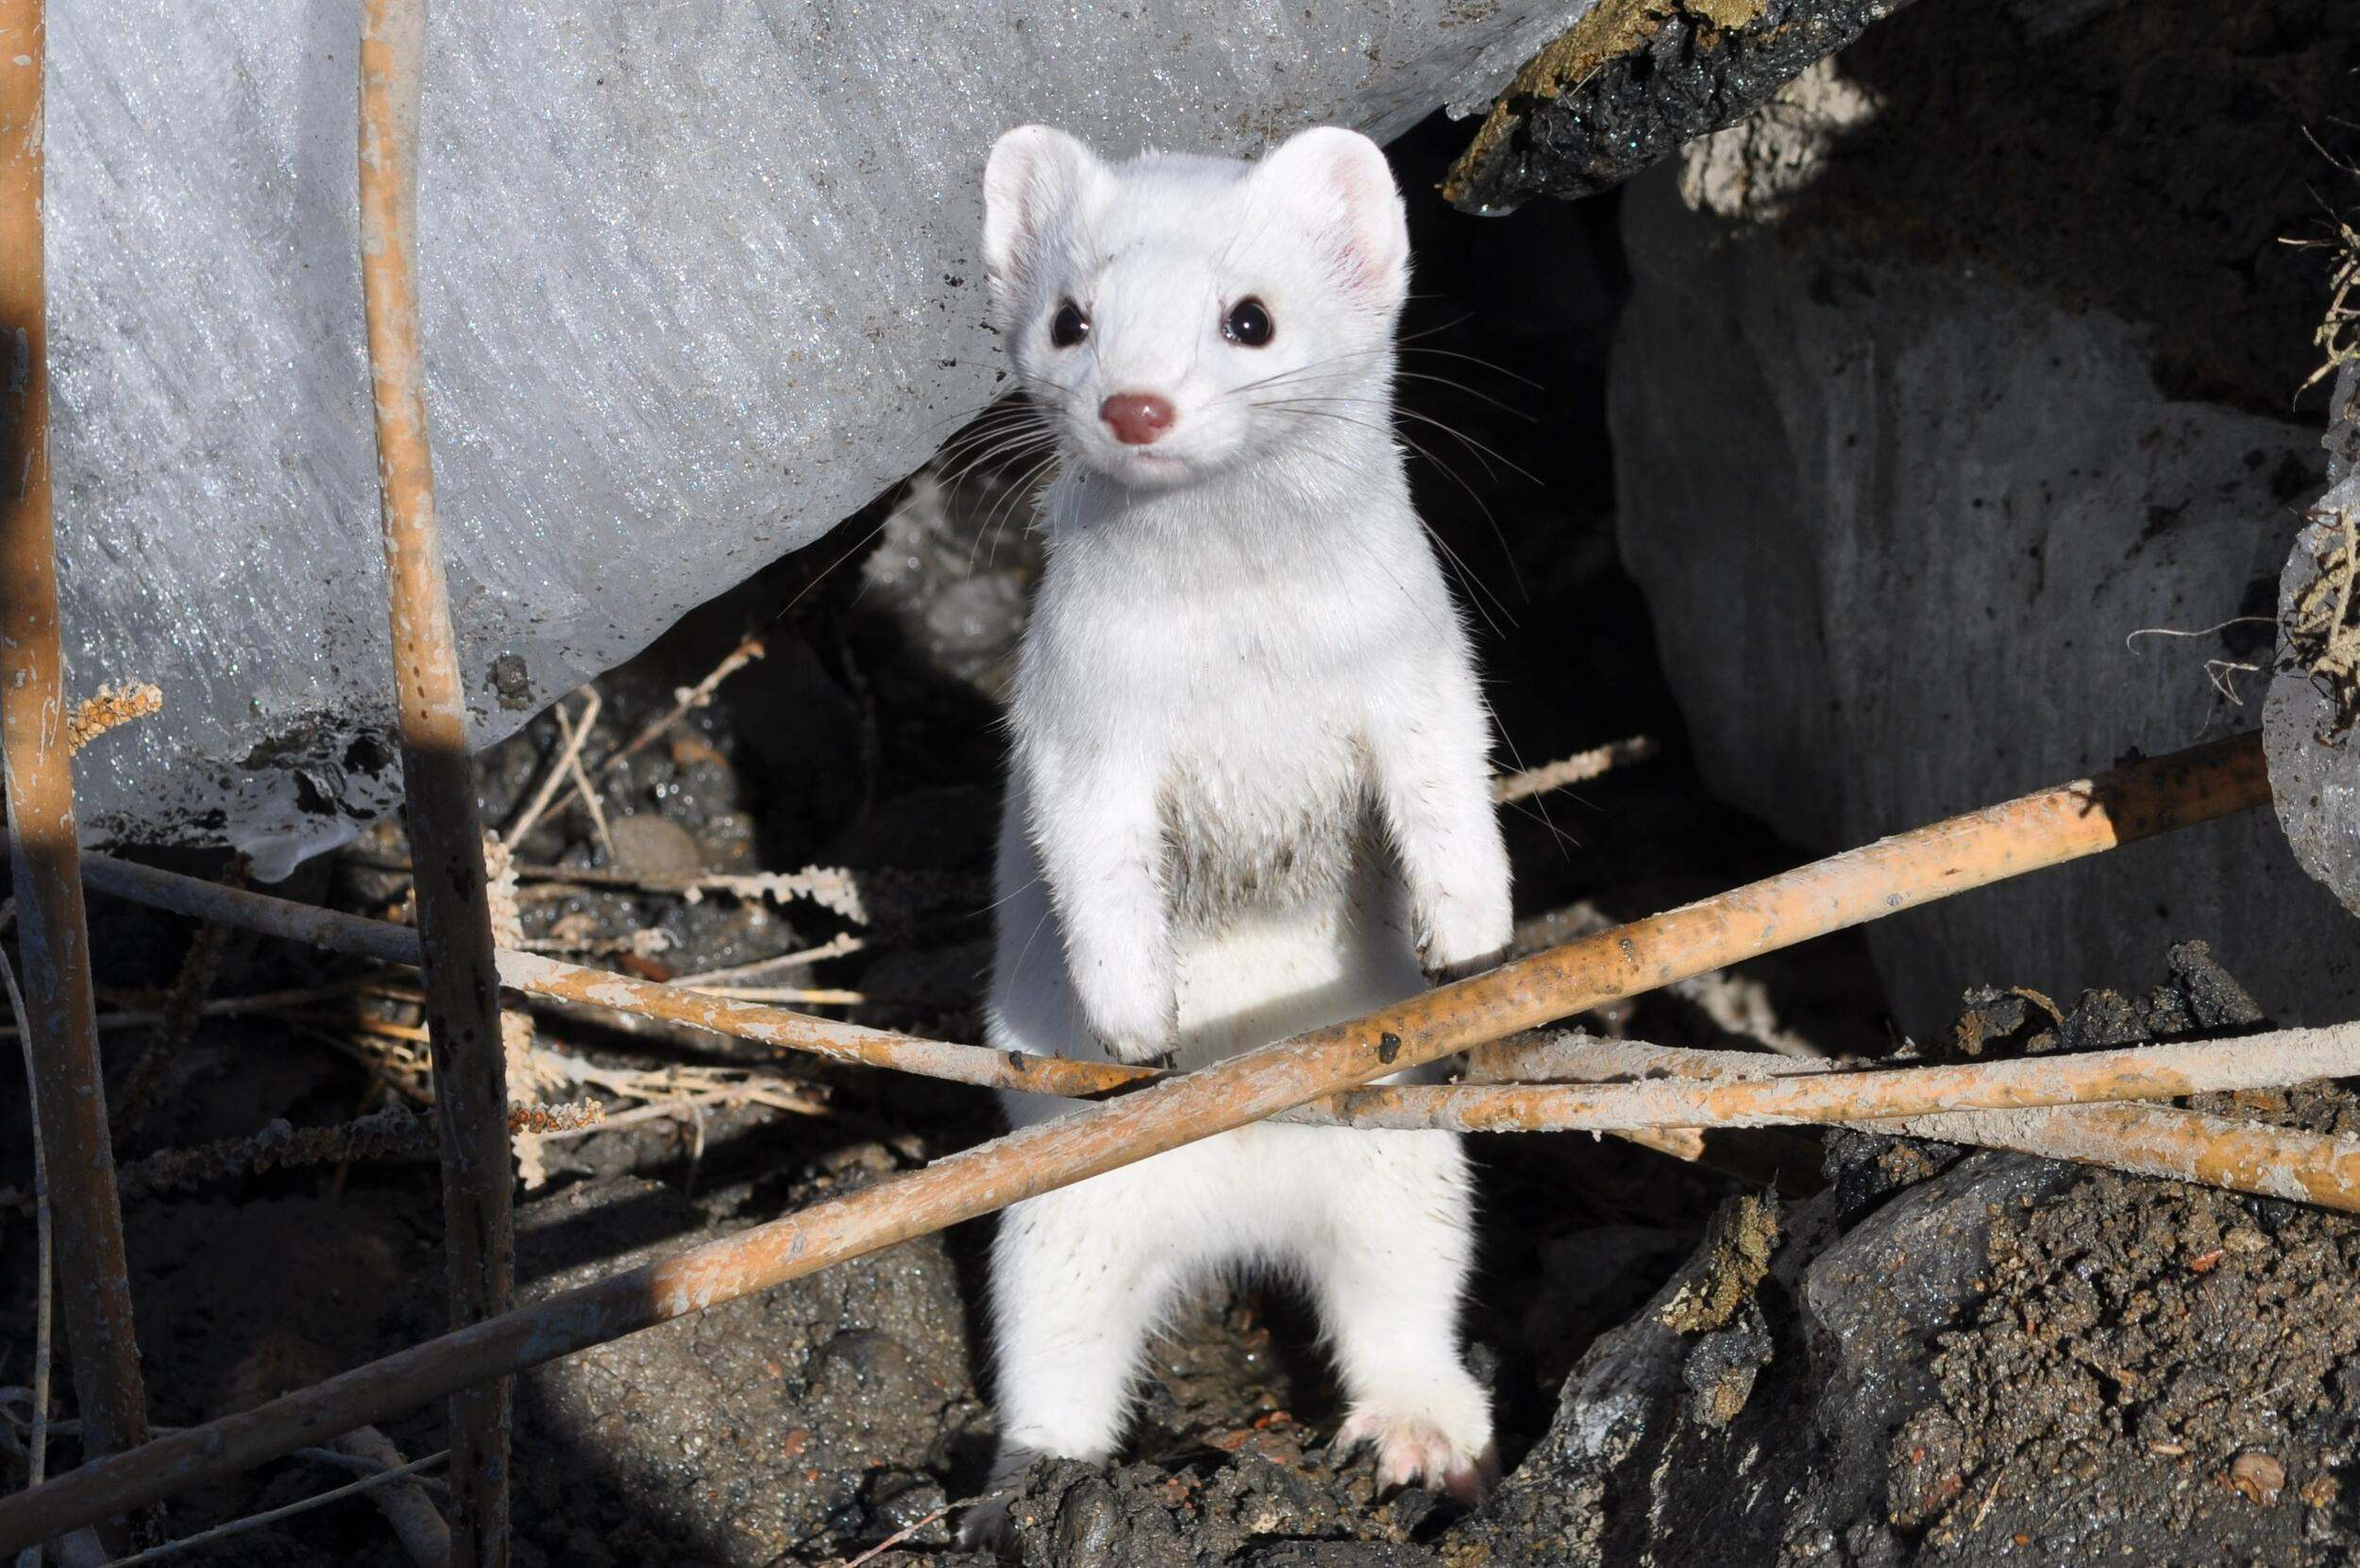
{"x":1443,"y":974}
{"x":1412,"y":1448}
{"x":1136,"y":1020}
{"x":1464,"y":936}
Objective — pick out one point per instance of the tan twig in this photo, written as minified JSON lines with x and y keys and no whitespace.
{"x":831,"y":888}
{"x":646,"y":942}
{"x":36,"y":779}
{"x":2148,"y":1141}
{"x":2338,"y":335}
{"x":234,"y":1006}
{"x":2321,"y":633}
{"x":417,"y":1523}
{"x":438,"y":778}
{"x":583,"y":789}
{"x":804,"y":995}
{"x":836,"y":947}
{"x":688,"y":699}
{"x":184,"y":1003}
{"x":2047,"y":828}
{"x":381,"y":1135}
{"x":2164,"y":1071}
{"x":907,"y":1531}
{"x":113,"y":705}
{"x":1578,"y":768}
{"x":259,"y":1521}
{"x":570,"y":742}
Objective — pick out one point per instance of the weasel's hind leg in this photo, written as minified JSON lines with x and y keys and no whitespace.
{"x":1081,"y":1279}
{"x":1387,"y":1259}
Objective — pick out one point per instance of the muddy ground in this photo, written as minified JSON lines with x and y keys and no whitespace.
{"x":2070,"y":1333}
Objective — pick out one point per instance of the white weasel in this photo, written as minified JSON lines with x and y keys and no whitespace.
{"x":1250,"y":791}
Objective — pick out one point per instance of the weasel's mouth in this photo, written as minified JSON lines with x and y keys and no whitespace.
{"x":1136,"y":463}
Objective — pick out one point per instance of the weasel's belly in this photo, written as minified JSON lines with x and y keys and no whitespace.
{"x":1259,"y":975}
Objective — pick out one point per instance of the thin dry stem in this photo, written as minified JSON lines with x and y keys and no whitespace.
{"x":37,"y":780}
{"x":259,"y":1521}
{"x":388,"y":1134}
{"x":438,"y":778}
{"x":2153,"y":1140}
{"x":1578,"y":768}
{"x":417,"y":1523}
{"x":835,"y":947}
{"x":570,"y":742}
{"x":184,"y":1004}
{"x":583,"y":789}
{"x":688,"y":699}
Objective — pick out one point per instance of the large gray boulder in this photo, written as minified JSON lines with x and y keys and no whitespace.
{"x":1951,"y":428}
{"x":699,"y":282}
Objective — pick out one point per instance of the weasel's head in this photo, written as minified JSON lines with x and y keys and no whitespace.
{"x":1174,"y":316}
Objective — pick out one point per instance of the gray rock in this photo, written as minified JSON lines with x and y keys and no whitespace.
{"x":1914,"y":500}
{"x":1643,"y":1465}
{"x":811,"y":1418}
{"x":1627,"y":85}
{"x":696,"y":284}
{"x":2308,"y":725}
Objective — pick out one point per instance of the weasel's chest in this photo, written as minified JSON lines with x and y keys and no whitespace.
{"x":1282,"y":820}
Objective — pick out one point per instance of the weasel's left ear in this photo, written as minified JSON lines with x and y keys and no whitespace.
{"x":1343,"y":177}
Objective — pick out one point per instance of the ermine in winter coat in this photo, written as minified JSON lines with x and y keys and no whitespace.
{"x":1248,"y":789}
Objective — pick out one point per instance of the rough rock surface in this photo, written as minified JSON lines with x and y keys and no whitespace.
{"x":1973,"y":1359}
{"x":815,"y":1415}
{"x":1631,"y":81}
{"x":2311,"y":724}
{"x":1914,"y":474}
{"x":697,"y":285}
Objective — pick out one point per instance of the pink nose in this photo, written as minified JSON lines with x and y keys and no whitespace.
{"x":1137,"y":418}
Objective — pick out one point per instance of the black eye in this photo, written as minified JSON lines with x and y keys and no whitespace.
{"x":1069,"y":326}
{"x":1248,"y":323}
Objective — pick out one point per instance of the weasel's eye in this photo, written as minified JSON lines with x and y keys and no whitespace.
{"x":1248,"y":322}
{"x":1069,"y":326}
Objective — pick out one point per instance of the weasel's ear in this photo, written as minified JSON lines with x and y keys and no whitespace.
{"x":1342,"y":177}
{"x":1036,"y":173}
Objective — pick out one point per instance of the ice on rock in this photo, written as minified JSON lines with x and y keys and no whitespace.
{"x":699,"y":282}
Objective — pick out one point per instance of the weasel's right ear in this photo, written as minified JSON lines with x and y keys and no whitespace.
{"x":1341,"y":179}
{"x":1036,"y":174}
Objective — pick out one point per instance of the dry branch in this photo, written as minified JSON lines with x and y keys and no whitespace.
{"x":261,"y":1521}
{"x":537,"y":975}
{"x":2044,"y":829}
{"x":688,"y":699}
{"x":438,"y":781}
{"x":1578,"y":768}
{"x":570,"y":742}
{"x":381,"y":1134}
{"x":417,"y":1523}
{"x":583,"y":789}
{"x":2164,"y":1071}
{"x":36,"y":774}
{"x":2148,"y":1141}
{"x":183,"y":1004}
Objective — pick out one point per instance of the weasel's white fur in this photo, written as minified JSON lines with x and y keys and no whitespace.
{"x":1250,"y":792}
